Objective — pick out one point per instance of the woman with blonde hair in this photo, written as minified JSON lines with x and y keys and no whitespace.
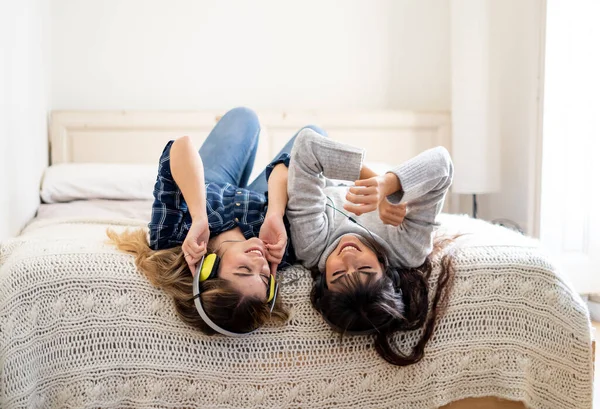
{"x":215,"y":240}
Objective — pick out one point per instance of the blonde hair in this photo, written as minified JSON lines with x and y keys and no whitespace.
{"x":168,"y":270}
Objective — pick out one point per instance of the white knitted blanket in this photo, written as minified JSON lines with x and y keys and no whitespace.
{"x":80,"y":327}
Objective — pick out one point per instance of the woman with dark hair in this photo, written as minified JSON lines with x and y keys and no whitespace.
{"x":371,"y":270}
{"x":215,"y":241}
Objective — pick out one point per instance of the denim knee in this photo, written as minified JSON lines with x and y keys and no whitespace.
{"x":315,"y":128}
{"x":242,"y":114}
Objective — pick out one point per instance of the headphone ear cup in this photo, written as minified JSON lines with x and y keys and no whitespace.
{"x":272,"y":289}
{"x":322,"y":284}
{"x":209,"y":266}
{"x":319,"y":288}
{"x":215,"y":269}
{"x":395,"y":279}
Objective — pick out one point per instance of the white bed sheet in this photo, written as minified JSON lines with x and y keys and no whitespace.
{"x":97,"y":208}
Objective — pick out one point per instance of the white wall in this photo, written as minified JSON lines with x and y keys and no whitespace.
{"x":314,"y":54}
{"x":515,"y":87}
{"x":419,"y":48}
{"x":24,"y":48}
{"x":516,"y":45}
{"x":190,"y":54}
{"x":267,"y":54}
{"x":570,"y":222}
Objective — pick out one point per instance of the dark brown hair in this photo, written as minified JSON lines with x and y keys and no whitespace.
{"x":168,"y":270}
{"x":388,"y":305}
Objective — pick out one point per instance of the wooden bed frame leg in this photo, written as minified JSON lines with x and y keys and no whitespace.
{"x":594,"y":351}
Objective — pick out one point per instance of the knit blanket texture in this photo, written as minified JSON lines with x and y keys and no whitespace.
{"x":81,"y":327}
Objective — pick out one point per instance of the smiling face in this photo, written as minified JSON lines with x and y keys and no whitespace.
{"x":349,"y":256}
{"x":244,"y":265}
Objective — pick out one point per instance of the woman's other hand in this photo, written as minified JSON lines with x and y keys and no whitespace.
{"x":366,"y":194}
{"x":390,"y":213}
{"x":194,"y":245}
{"x":371,"y":193}
{"x":273,"y":234}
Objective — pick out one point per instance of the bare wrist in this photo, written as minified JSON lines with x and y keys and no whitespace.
{"x":198,"y":215}
{"x":366,"y":173}
{"x":274,"y":212}
{"x":392,"y":183}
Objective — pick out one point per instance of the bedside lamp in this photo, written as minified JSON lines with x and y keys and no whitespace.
{"x":475,"y":136}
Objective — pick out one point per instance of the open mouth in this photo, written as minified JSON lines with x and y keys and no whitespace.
{"x":349,"y":247}
{"x":257,"y":251}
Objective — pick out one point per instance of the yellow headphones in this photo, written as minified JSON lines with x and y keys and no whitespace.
{"x":207,"y":269}
{"x":209,"y":266}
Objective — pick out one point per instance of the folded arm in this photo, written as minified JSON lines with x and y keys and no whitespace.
{"x":425,"y":179}
{"x":370,"y":193}
{"x":421,"y":182}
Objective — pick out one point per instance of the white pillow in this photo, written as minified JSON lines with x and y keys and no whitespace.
{"x":83,"y":181}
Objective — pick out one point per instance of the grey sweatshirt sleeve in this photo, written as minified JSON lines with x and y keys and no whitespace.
{"x":425,"y":179}
{"x":314,"y":156}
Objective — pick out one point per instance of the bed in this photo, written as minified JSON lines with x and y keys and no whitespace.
{"x":81,"y":327}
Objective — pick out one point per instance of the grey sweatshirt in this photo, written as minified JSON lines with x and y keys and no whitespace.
{"x":316,"y":228}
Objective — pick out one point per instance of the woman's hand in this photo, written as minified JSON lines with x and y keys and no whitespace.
{"x":273,"y":234}
{"x":390,"y":213}
{"x":194,"y":245}
{"x":370,"y":194}
{"x":366,"y":194}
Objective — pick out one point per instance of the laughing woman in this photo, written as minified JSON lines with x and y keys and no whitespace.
{"x":215,"y":241}
{"x":371,"y":269}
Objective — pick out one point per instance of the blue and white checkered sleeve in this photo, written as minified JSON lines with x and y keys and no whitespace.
{"x":283,"y":158}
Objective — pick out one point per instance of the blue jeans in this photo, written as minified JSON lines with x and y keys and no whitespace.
{"x":229,"y":150}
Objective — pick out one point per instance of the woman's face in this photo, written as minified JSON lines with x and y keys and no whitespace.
{"x":244,"y":265}
{"x":349,"y":256}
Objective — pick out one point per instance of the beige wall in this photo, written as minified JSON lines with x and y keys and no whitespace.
{"x":267,"y":54}
{"x":134,"y":54}
{"x":24,"y":47}
{"x":517,"y":45}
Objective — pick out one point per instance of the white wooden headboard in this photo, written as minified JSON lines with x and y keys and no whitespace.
{"x":139,"y":136}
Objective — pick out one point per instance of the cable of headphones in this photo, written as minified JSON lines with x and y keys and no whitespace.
{"x":353,"y":220}
{"x":374,"y":244}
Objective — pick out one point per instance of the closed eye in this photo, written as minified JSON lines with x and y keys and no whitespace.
{"x":343,"y":271}
{"x":360,"y":270}
{"x":265,"y":278}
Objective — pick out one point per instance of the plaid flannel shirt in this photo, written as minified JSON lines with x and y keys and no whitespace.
{"x":227,"y":206}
